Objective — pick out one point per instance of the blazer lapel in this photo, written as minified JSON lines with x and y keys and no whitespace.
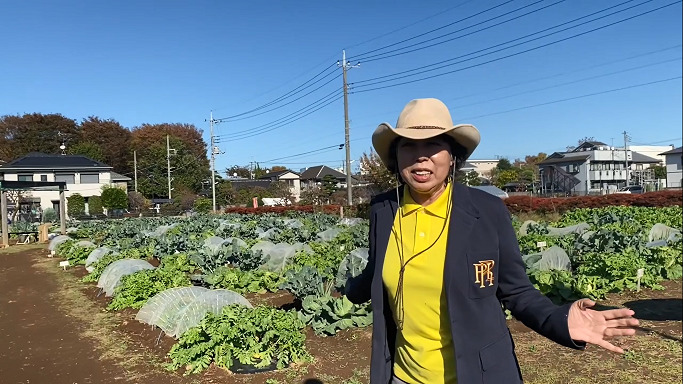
{"x":463,"y":217}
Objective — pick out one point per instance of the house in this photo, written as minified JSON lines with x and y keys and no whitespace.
{"x":290,"y":178}
{"x":82,"y":175}
{"x":673,"y":168}
{"x":314,"y":175}
{"x":592,"y":167}
{"x":483,"y":167}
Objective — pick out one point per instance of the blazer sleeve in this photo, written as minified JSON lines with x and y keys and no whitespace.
{"x":357,"y":289}
{"x":517,"y":294}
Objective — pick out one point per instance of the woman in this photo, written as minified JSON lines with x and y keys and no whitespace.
{"x":443,"y":258}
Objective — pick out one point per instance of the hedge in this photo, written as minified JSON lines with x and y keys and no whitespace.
{"x":519,"y":204}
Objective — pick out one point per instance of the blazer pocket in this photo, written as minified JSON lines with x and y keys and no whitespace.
{"x":498,"y":362}
{"x":482,"y":269}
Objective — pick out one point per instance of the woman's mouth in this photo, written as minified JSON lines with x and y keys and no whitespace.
{"x":421,"y":176}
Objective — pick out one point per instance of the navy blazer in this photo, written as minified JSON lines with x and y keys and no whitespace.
{"x":480,"y":231}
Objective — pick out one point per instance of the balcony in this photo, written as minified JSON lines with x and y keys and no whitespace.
{"x":610,"y":174}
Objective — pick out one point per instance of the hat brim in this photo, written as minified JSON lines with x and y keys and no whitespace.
{"x":466,"y":135}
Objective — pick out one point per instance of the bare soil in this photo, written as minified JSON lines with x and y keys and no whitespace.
{"x":55,"y":329}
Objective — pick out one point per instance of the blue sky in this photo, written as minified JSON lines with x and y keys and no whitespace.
{"x":177,"y":61}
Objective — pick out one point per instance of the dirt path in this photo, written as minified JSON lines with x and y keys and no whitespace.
{"x":41,"y":344}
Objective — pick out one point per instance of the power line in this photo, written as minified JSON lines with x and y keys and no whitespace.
{"x":576,"y":97}
{"x":337,"y":147}
{"x":409,"y":25}
{"x":569,"y":82}
{"x":503,"y":57}
{"x":386,"y":55}
{"x":363,"y":56}
{"x":235,"y":117}
{"x":295,"y":113}
{"x":266,"y":130}
{"x":438,"y":65}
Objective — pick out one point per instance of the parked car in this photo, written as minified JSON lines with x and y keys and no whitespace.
{"x":632,"y":189}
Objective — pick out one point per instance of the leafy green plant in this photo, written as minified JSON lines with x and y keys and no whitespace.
{"x":114,"y":198}
{"x":135,"y":289}
{"x":95,"y":205}
{"x":75,"y":205}
{"x":255,"y":337}
{"x":49,"y":215}
{"x":327,"y":314}
{"x":239,"y":281}
{"x":302,"y":281}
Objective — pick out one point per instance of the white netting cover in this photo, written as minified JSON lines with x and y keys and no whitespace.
{"x":578,"y":228}
{"x":111,"y":276}
{"x":85,"y":244}
{"x":524,"y":228}
{"x":350,"y":221}
{"x":228,"y":225}
{"x":552,"y":258}
{"x":95,"y":255}
{"x":211,"y":301}
{"x":54,"y":243}
{"x":237,"y":242}
{"x":329,"y":234}
{"x":352,"y":265}
{"x":214,"y":244}
{"x":176,"y":310}
{"x":293,"y":223}
{"x":663,"y":232}
{"x":159,"y":231}
{"x":267,"y":234}
{"x":278,"y":255}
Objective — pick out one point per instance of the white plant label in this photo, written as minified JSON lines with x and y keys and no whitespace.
{"x":541,"y":244}
{"x":64,"y":264}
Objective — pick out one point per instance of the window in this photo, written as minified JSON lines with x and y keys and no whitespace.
{"x":25,"y":177}
{"x":92,"y":178}
{"x":69,"y":178}
{"x":43,"y":177}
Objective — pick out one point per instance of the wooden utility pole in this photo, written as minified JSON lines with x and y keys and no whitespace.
{"x":345,"y":67}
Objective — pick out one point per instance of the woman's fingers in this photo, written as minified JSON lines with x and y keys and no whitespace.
{"x":617,"y":313}
{"x":611,"y":332}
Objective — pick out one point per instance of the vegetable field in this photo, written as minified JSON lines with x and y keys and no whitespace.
{"x":207,"y":283}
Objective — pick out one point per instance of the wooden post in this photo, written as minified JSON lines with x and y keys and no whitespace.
{"x":62,"y":211}
{"x":341,"y":212}
{"x":5,"y":229}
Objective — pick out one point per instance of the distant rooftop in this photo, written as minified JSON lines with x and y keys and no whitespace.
{"x":39,"y":161}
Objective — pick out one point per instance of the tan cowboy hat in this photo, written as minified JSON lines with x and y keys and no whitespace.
{"x":423,"y":119}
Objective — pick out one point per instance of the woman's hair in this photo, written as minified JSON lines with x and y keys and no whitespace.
{"x":457,"y":151}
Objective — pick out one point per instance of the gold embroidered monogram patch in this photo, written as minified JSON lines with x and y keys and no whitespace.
{"x":483,"y":272}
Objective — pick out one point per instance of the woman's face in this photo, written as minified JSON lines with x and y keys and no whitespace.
{"x":424,"y":164}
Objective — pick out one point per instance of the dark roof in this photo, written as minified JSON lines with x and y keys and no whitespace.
{"x":36,"y":160}
{"x":320,"y":171}
{"x":565,"y":159}
{"x":241,"y":184}
{"x":589,"y":144}
{"x":468,"y":165}
{"x":640,"y":158}
{"x":673,"y":151}
{"x":118,"y":177}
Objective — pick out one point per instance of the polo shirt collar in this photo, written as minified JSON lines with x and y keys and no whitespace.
{"x":438,"y":208}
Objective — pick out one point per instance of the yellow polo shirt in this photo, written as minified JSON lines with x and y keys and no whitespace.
{"x":424,"y":348}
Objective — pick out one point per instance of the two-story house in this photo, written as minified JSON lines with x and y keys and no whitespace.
{"x":290,"y":178}
{"x":81,"y":174}
{"x":674,"y":169}
{"x":592,"y":167}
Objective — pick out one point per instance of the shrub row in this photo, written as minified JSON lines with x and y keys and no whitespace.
{"x":519,"y":204}
{"x":330,"y":209}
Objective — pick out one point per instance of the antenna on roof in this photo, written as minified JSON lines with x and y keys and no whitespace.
{"x":63,"y":148}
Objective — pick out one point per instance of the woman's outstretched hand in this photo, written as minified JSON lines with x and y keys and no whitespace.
{"x":595,"y":327}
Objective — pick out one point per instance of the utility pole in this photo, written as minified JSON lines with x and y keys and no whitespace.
{"x":168,"y":164}
{"x":135,"y":167}
{"x":626,"y":157}
{"x":213,"y":164}
{"x":345,"y":67}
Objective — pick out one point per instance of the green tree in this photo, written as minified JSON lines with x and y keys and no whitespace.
{"x":660,"y":171}
{"x":114,"y":198}
{"x":189,"y":164}
{"x":95,"y":205}
{"x":35,"y":132}
{"x":329,"y":185}
{"x":87,"y":149}
{"x":137,"y":202}
{"x":505,"y":177}
{"x":376,"y":173}
{"x":237,"y":171}
{"x":504,"y":164}
{"x":203,"y":205}
{"x":75,"y":205}
{"x":470,"y":178}
{"x":113,"y":140}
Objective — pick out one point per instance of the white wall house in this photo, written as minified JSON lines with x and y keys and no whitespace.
{"x":483,"y":166}
{"x":81,"y":174}
{"x":674,"y":169}
{"x":292,"y":179}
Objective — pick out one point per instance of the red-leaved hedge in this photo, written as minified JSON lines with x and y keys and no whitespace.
{"x":518,"y":204}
